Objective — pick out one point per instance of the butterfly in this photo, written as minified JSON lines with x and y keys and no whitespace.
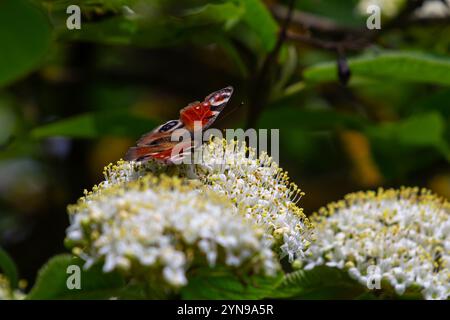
{"x":157,"y":144}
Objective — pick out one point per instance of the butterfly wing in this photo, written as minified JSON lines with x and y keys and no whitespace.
{"x":160,"y":134}
{"x":158,"y":144}
{"x":164,"y":152}
{"x":206,"y":112}
{"x":147,"y":153}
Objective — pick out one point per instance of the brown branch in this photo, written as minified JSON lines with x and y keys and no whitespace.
{"x":431,"y":21}
{"x":348,"y":39}
{"x":313,"y":22}
{"x":346,"y":45}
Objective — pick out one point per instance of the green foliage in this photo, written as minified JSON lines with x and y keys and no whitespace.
{"x":335,"y":10}
{"x":319,"y":283}
{"x":424,"y":130}
{"x":259,"y":19}
{"x":8,"y":268}
{"x":389,"y":66}
{"x":150,"y":34}
{"x":93,"y":125}
{"x":405,"y":146}
{"x":198,"y":24}
{"x":24,"y":41}
{"x":52,"y":281}
{"x":204,"y":283}
{"x":219,"y":283}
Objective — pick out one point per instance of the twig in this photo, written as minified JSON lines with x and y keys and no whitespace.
{"x":348,"y":39}
{"x":431,"y":21}
{"x":313,"y":22}
{"x":262,"y":83}
{"x":346,"y":45}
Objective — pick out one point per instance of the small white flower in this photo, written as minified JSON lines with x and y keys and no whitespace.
{"x":259,"y":187}
{"x":405,"y":233}
{"x":163,"y":224}
{"x":255,"y":185}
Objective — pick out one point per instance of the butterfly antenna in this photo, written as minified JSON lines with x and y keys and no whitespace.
{"x":231,"y":110}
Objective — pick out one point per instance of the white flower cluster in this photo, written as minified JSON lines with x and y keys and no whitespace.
{"x":261,"y":189}
{"x":162,"y":225}
{"x":255,"y":185}
{"x":434,"y":9}
{"x":125,"y":171}
{"x":404,"y":233}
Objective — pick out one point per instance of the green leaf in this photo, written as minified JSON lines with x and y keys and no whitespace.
{"x":288,"y":68}
{"x":403,"y":147}
{"x":52,"y":279}
{"x":82,"y":126}
{"x":388,"y":66}
{"x":9,"y":269}
{"x":342,"y":12}
{"x":259,"y":19}
{"x":93,"y":125}
{"x":196,"y":25}
{"x":25,"y":37}
{"x":226,"y":13}
{"x":319,"y":283}
{"x":208,"y":283}
{"x":419,"y":131}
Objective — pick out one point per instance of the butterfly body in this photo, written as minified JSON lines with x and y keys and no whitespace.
{"x":158,"y":143}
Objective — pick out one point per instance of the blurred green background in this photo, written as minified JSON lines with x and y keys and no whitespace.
{"x":71,"y":101}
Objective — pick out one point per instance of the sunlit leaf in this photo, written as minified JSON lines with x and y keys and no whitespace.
{"x":226,"y":13}
{"x":388,"y":66}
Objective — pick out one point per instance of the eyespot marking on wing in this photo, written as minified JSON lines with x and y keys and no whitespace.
{"x":169,"y":125}
{"x":220,"y":97}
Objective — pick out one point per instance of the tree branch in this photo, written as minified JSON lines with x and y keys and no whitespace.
{"x":346,"y":45}
{"x":344,"y":38}
{"x":313,"y":22}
